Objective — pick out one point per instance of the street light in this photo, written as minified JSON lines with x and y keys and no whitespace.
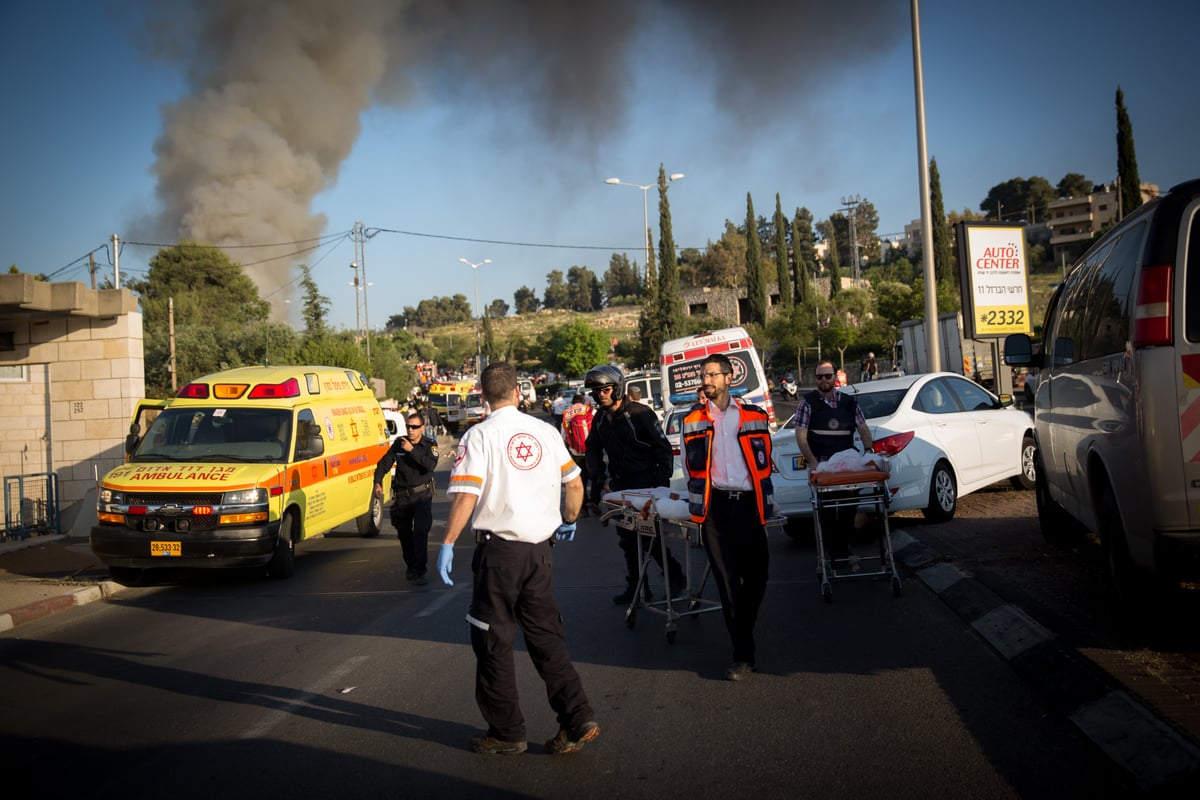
{"x":478,"y":347}
{"x":645,"y":207}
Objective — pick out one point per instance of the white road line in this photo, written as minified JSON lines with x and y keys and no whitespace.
{"x":441,"y":600}
{"x":321,"y":688}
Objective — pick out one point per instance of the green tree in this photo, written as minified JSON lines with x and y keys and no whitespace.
{"x":832,"y":261}
{"x":497,"y":309}
{"x":1074,"y":185}
{"x":208,"y":288}
{"x":1127,"y":169}
{"x":756,"y":288}
{"x":621,"y":280}
{"x":581,"y":284}
{"x":314,"y":305}
{"x":782,"y":262}
{"x":670,"y":300}
{"x":340,"y":349}
{"x":1019,"y":198}
{"x":573,"y":348}
{"x":805,"y":252}
{"x":723,"y":263}
{"x":650,"y":336}
{"x":525,"y":300}
{"x":943,"y":253}
{"x":557,"y":295}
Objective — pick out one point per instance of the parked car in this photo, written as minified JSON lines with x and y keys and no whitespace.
{"x":1118,"y":394}
{"x":673,"y":428}
{"x":946,"y":436}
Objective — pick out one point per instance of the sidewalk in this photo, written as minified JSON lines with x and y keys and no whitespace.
{"x":45,"y":574}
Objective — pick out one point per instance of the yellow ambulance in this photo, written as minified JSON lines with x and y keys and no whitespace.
{"x":239,"y":467}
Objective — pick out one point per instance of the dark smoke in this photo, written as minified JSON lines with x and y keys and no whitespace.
{"x":277,"y":87}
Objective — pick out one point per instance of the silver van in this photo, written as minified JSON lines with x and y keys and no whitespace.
{"x":1117,"y":401}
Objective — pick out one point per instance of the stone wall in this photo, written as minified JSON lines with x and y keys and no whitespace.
{"x":68,"y":384}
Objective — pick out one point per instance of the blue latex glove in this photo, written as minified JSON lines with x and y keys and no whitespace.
{"x":446,"y":563}
{"x":565,"y":532}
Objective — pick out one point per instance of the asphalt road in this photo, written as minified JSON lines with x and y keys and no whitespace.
{"x":347,"y":681}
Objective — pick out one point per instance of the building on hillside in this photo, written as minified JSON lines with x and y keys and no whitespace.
{"x":1075,"y":221}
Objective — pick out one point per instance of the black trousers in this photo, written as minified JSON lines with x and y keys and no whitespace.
{"x":514,"y":586}
{"x":737,"y":551}
{"x":412,"y":524}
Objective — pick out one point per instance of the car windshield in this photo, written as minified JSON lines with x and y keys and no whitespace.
{"x":675,"y":422}
{"x":217,"y":434}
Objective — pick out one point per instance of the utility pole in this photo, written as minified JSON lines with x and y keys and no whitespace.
{"x":171,"y":338}
{"x":852,"y":203}
{"x":92,"y":268}
{"x":116,"y":262}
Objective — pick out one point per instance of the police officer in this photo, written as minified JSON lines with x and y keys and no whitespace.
{"x":415,"y":458}
{"x":629,"y":438}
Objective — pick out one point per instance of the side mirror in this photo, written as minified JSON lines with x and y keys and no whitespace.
{"x":133,"y":439}
{"x":1018,"y":351}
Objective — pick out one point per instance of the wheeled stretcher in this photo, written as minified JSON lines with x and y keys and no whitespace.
{"x":660,"y":511}
{"x":848,"y":493}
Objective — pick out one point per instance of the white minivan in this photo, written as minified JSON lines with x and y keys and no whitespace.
{"x":1117,"y":401}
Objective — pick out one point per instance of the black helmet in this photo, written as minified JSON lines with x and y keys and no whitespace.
{"x":605,"y":375}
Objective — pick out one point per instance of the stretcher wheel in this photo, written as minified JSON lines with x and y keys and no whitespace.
{"x":895,"y":586}
{"x":826,"y":592}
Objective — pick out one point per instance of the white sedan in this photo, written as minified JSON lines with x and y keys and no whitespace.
{"x":946,"y":436}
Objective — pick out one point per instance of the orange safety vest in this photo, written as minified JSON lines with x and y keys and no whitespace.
{"x":754,"y":436}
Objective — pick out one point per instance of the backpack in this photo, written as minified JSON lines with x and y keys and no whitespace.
{"x":576,"y":429}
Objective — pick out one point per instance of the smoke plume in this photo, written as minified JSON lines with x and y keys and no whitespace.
{"x":277,"y":88}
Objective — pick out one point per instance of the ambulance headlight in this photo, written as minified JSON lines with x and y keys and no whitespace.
{"x":111,"y":497}
{"x":245,"y":497}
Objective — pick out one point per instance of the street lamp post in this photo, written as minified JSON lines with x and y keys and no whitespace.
{"x":479,"y":331}
{"x":645,"y":207}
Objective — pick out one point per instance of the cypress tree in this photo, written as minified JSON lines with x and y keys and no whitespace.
{"x":670,"y":301}
{"x":782,"y":264}
{"x":756,"y":290}
{"x":943,"y":254}
{"x":1127,"y":170}
{"x":801,"y":268}
{"x":835,"y":270}
{"x":649,"y":330}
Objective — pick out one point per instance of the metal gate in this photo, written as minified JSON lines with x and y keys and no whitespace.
{"x":30,"y":505}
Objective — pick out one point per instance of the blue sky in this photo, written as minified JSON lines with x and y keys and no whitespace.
{"x":448,"y":151}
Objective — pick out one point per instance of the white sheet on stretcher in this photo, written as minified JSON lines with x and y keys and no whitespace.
{"x":660,"y":500}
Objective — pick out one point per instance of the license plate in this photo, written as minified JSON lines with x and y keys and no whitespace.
{"x":797,"y":463}
{"x":166,"y":549}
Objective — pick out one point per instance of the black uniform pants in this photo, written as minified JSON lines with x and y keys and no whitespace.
{"x":412,"y":524}
{"x":737,"y":551}
{"x":514,"y":586}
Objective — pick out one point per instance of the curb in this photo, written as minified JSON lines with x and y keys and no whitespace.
{"x":1151,"y":752}
{"x":51,"y":605}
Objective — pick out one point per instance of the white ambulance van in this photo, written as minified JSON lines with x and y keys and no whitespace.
{"x":239,"y":467}
{"x":680,"y":369}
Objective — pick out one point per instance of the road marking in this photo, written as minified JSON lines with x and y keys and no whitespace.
{"x":283,"y":712}
{"x":440,"y":601}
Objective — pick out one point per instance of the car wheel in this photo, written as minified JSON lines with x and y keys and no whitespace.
{"x":283,"y":563}
{"x":1028,"y":477}
{"x":943,"y":494}
{"x":1058,"y":527}
{"x":370,"y":522}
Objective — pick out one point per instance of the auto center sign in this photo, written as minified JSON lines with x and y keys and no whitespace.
{"x":994,"y":279}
